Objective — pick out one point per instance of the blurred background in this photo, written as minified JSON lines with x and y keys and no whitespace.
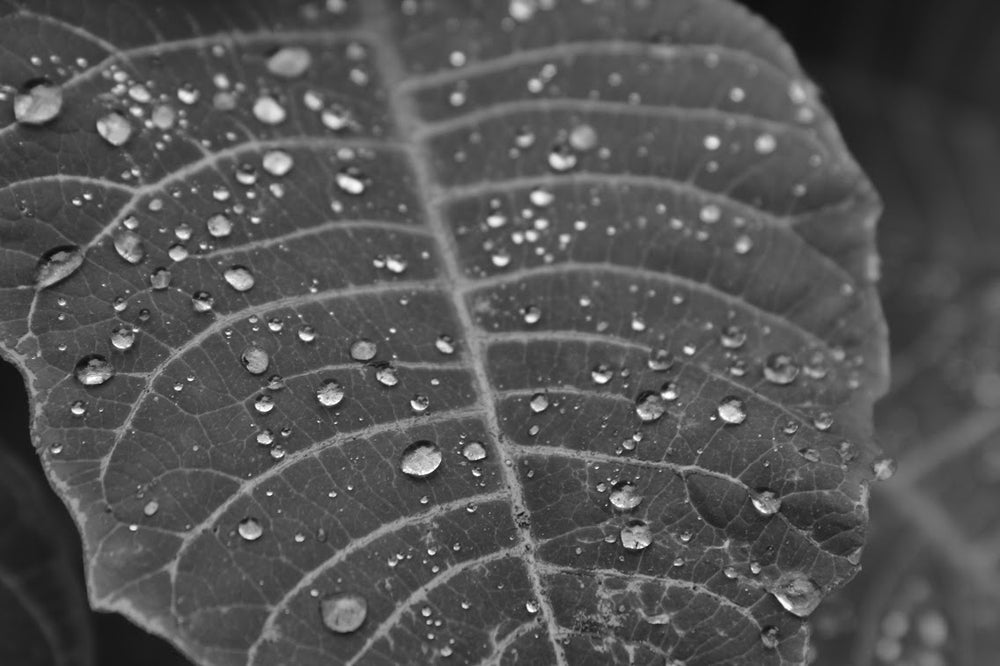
{"x":914,"y":86}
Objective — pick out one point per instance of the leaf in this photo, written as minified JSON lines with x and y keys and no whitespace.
{"x":43,"y":610}
{"x":367,"y":340}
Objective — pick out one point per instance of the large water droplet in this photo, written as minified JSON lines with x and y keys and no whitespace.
{"x":780,"y":369}
{"x":250,"y":529}
{"x":289,"y":62}
{"x":343,"y":613}
{"x":129,"y":247}
{"x":796,"y":593}
{"x":57,"y":264}
{"x":114,"y":128}
{"x":539,"y":403}
{"x":330,"y":393}
{"x":732,"y":410}
{"x":420,"y":459}
{"x":636,"y":535}
{"x":93,"y":370}
{"x":649,"y":406}
{"x":624,"y":496}
{"x":39,"y":102}
{"x":255,"y":360}
{"x":386,"y":375}
{"x":239,"y":278}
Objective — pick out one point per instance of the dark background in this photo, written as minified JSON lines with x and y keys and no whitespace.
{"x":914,"y":86}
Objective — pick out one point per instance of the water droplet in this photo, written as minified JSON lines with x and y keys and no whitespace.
{"x":263,"y":404}
{"x":884,"y":468}
{"x":151,"y":508}
{"x":780,"y":369}
{"x":351,"y":180}
{"x":386,"y":375}
{"x":649,"y":406}
{"x":39,"y":102}
{"x":796,"y":593}
{"x":583,"y":137}
{"x":733,"y":337}
{"x":766,"y":502}
{"x":202,"y":301}
{"x":250,"y":529}
{"x":306,"y":333}
{"x":765,"y":144}
{"x":769,"y":637}
{"x":93,"y":370}
{"x":561,"y":157}
{"x":78,"y":408}
{"x":57,"y":264}
{"x":601,"y":374}
{"x":289,"y":62}
{"x":255,"y":360}
{"x":343,"y":613}
{"x":732,"y":411}
{"x":419,"y":403}
{"x":532,"y":314}
{"x":539,"y":403}
{"x":219,"y":226}
{"x":624,"y":497}
{"x":660,"y":360}
{"x":114,"y":128}
{"x":277,"y":163}
{"x":123,"y":337}
{"x":445,"y":344}
{"x":330,"y":393}
{"x":129,"y":247}
{"x":363,"y":350}
{"x":474,"y":451}
{"x":420,"y":459}
{"x":267,"y":110}
{"x":239,"y":278}
{"x":636,"y":535}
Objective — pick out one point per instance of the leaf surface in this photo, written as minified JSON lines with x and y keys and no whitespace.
{"x":458,"y":224}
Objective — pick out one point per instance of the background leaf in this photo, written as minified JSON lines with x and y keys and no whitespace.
{"x":278,"y":295}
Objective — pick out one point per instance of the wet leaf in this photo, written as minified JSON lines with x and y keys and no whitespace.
{"x":571,"y":236}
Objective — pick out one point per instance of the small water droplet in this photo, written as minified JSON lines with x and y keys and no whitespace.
{"x":255,"y":360}
{"x":114,"y":128}
{"x":769,"y":637}
{"x":796,"y":593}
{"x":386,"y":375}
{"x":343,"y":613}
{"x":660,"y":360}
{"x":532,"y":314}
{"x":306,"y":333}
{"x":267,"y":110}
{"x":420,"y":459}
{"x":363,"y":350}
{"x":636,"y":535}
{"x":474,"y":451}
{"x":445,"y":344}
{"x":330,"y":393}
{"x":250,"y":529}
{"x":123,"y":337}
{"x":57,"y":264}
{"x":419,"y":403}
{"x":539,"y":403}
{"x":129,"y":247}
{"x":289,"y":62}
{"x":624,"y":496}
{"x":202,"y":301}
{"x":277,"y":163}
{"x":151,"y":508}
{"x":732,"y":410}
{"x":93,"y":370}
{"x":351,"y":180}
{"x":765,"y":144}
{"x":239,"y":278}
{"x":649,"y":406}
{"x":583,"y":137}
{"x":780,"y":369}
{"x":766,"y":502}
{"x":219,"y":226}
{"x":78,"y":408}
{"x":39,"y":102}
{"x":601,"y":374}
{"x":733,"y":337}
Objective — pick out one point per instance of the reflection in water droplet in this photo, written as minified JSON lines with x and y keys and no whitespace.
{"x":114,"y":128}
{"x":250,"y":529}
{"x":766,"y":502}
{"x":474,"y":451}
{"x":649,"y":406}
{"x":636,"y":535}
{"x":129,"y":247}
{"x":780,"y":369}
{"x":123,"y":337}
{"x":57,"y":264}
{"x":330,"y":393}
{"x":732,"y":411}
{"x":420,"y":459}
{"x":255,"y":360}
{"x":93,"y":370}
{"x":796,"y":593}
{"x":239,"y":278}
{"x":624,"y":496}
{"x":39,"y":102}
{"x":343,"y":613}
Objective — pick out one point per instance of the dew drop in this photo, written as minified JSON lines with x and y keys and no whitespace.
{"x":306,"y":333}
{"x":239,"y":278}
{"x":129,"y":247}
{"x":601,"y":374}
{"x":263,"y":404}
{"x":93,"y":370}
{"x":386,"y":375}
{"x":219,"y":226}
{"x":78,"y":408}
{"x":277,"y":163}
{"x":583,"y":137}
{"x":202,"y":301}
{"x":780,"y":369}
{"x":151,"y":508}
{"x":57,"y":264}
{"x":884,"y":468}
{"x":330,"y":393}
{"x":474,"y":451}
{"x":419,"y":403}
{"x":624,"y":496}
{"x":636,"y":535}
{"x":343,"y":613}
{"x":267,"y":110}
{"x":769,"y":637}
{"x":250,"y":529}
{"x":733,"y":337}
{"x":796,"y":593}
{"x":255,"y":360}
{"x":289,"y":62}
{"x":766,"y":502}
{"x":531,"y":314}
{"x":732,"y":410}
{"x":123,"y":337}
{"x":39,"y":102}
{"x":114,"y":128}
{"x":561,"y":157}
{"x":420,"y":459}
{"x":660,"y":360}
{"x":649,"y":406}
{"x":539,"y":403}
{"x":363,"y":350}
{"x":351,"y":180}
{"x":445,"y":344}
{"x":765,"y":144}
